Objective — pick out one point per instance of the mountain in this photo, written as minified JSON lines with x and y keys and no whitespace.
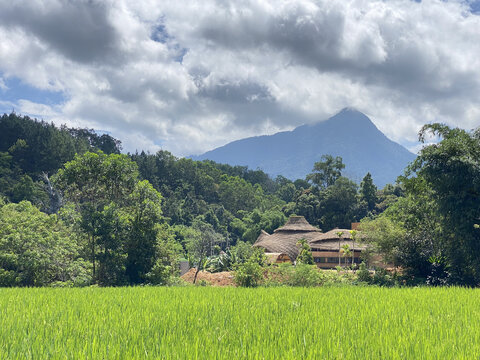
{"x":349,"y":134}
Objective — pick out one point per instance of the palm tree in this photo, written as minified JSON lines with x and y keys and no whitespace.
{"x":339,"y":234}
{"x":353,"y":235}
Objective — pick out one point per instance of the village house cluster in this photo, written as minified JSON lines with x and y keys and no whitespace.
{"x":328,"y":249}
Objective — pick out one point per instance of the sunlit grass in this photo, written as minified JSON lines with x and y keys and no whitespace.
{"x":232,"y":323}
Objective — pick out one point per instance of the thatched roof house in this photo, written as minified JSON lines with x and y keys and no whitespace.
{"x":326,"y":247}
{"x":285,"y":238}
{"x":330,"y":240}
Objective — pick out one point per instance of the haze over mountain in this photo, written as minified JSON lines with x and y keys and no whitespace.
{"x":349,"y":134}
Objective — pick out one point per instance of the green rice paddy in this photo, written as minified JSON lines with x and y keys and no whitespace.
{"x":235,"y":323}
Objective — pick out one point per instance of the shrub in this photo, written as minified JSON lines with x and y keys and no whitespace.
{"x":248,"y":274}
{"x":305,"y":275}
{"x":363,"y":274}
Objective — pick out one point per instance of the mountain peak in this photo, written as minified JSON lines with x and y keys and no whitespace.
{"x":351,"y":115}
{"x":349,"y":134}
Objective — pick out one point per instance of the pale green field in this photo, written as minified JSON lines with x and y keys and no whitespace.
{"x":230,"y":323}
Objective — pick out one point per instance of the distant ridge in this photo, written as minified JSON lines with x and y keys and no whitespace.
{"x":349,"y":134}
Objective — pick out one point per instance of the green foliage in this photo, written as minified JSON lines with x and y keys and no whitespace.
{"x":256,"y":221}
{"x":249,"y":273}
{"x":368,"y":191}
{"x":31,"y":150}
{"x":304,"y":275}
{"x":338,"y":204}
{"x":326,"y":171}
{"x":144,"y":215}
{"x":451,"y":170}
{"x":363,"y":274}
{"x":237,"y":194}
{"x":423,"y":323}
{"x":201,"y":244}
{"x":305,"y":253}
{"x":38,"y":249}
{"x":166,"y":258}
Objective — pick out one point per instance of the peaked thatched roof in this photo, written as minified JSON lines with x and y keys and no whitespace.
{"x":297,"y":223}
{"x":285,"y":239}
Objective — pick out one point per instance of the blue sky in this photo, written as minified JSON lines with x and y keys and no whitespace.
{"x":191,"y":76}
{"x":14,"y":90}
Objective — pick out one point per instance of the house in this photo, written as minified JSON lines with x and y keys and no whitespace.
{"x":327,"y":248}
{"x":284,"y":239}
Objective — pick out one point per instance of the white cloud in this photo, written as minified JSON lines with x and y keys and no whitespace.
{"x":219,"y":70}
{"x":3,"y":86}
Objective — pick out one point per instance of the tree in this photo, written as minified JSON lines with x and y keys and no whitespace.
{"x":248,"y":274}
{"x":339,"y":234}
{"x":201,"y":245}
{"x":368,"y":191}
{"x":305,"y":254}
{"x":451,"y":170}
{"x":346,"y":251}
{"x":100,"y":185}
{"x":338,"y":204}
{"x":37,"y":249}
{"x":326,"y":171}
{"x":353,"y":236}
{"x":409,"y":231}
{"x":144,"y":215}
{"x":167,"y":255}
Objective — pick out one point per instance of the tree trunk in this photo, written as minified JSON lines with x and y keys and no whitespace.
{"x":353,"y":255}
{"x":339,"y":252}
{"x":196,"y":274}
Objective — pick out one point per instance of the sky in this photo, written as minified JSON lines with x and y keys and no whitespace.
{"x":188,"y":76}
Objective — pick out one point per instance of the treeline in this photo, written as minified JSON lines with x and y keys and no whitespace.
{"x":75,"y":211}
{"x":126,"y":219}
{"x":432,"y":232}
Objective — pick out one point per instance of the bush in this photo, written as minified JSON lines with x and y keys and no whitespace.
{"x":248,"y":274}
{"x":363,"y":274}
{"x":279,"y":275}
{"x":305,"y":275}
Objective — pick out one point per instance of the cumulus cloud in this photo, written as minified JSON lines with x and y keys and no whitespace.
{"x":193,"y":75}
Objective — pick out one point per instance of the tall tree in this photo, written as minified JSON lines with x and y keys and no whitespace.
{"x":145,"y":216}
{"x":368,"y":191}
{"x":326,"y":171}
{"x":451,"y":169}
{"x":98,"y":184}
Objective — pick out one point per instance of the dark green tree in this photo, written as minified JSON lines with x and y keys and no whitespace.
{"x":100,"y":185}
{"x":144,"y":216}
{"x":326,"y":171}
{"x":451,"y":169}
{"x":368,"y":191}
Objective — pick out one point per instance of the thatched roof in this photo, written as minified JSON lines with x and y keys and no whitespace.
{"x":285,"y":239}
{"x":332,"y":245}
{"x":332,"y":235}
{"x":329,"y":240}
{"x":297,"y":223}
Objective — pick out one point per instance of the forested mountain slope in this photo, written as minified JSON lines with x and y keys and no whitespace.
{"x":349,"y":134}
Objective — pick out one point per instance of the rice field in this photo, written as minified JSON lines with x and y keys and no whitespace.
{"x":236,"y":323}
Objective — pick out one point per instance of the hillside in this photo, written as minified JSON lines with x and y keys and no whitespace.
{"x":349,"y":134}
